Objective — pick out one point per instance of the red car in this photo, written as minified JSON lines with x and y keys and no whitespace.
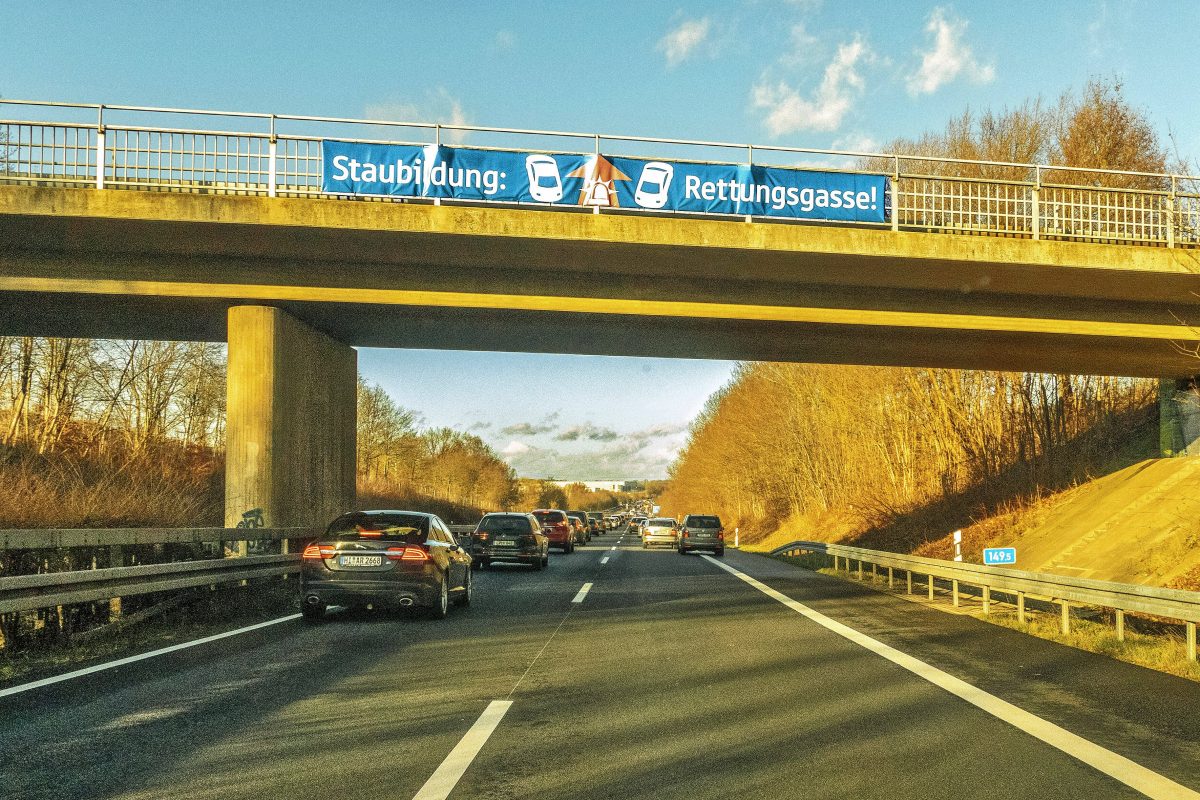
{"x":557,"y":527}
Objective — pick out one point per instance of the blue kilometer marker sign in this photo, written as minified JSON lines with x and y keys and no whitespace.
{"x":464,"y":173}
{"x":998,"y":556}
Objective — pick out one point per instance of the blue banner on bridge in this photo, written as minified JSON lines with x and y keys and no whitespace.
{"x":464,"y":173}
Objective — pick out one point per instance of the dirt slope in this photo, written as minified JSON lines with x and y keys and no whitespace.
{"x":1138,"y":525}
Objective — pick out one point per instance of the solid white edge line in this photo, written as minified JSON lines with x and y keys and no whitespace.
{"x":1116,"y":766}
{"x":582,"y":593}
{"x":447,"y":775}
{"x":79,"y":673}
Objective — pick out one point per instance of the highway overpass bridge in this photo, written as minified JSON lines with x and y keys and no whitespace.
{"x":293,"y":280}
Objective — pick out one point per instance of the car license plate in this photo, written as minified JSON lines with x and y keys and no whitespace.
{"x":360,"y":561}
{"x":506,"y":542}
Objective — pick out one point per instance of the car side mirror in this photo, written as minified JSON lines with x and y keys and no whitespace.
{"x":454,"y":548}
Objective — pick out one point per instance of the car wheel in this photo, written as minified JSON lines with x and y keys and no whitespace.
{"x":536,"y":563}
{"x":546,"y":558}
{"x":441,"y":604}
{"x":645,"y":546}
{"x":485,"y":563}
{"x":719,"y":553}
{"x":313,"y":614}
{"x":571,"y":547}
{"x":682,"y":552}
{"x":464,"y":597}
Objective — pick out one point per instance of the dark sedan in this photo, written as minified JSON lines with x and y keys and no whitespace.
{"x":387,"y":558}
{"x":511,"y":537}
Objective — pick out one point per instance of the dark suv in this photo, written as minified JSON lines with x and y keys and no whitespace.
{"x":511,"y":537}
{"x":702,"y":532}
{"x":393,"y":558}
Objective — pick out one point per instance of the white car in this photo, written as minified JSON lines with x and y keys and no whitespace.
{"x":652,"y":187}
{"x":545,"y":184}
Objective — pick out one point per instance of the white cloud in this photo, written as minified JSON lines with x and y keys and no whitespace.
{"x":515,"y":448}
{"x":788,"y":112}
{"x":438,"y":105}
{"x":678,"y":44}
{"x":947,"y":58}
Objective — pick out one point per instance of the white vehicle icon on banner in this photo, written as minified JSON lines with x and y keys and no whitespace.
{"x":544,"y":182}
{"x":652,"y":187}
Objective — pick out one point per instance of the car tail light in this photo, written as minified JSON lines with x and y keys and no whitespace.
{"x":687,"y":535}
{"x":481,"y":535}
{"x":720,"y":534}
{"x":371,"y":534}
{"x":318,"y":552}
{"x":407,"y":554}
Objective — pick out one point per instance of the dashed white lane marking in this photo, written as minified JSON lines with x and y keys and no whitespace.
{"x":447,"y":776}
{"x":604,"y":560}
{"x":1116,"y":766}
{"x":79,"y":673}
{"x":587,"y":587}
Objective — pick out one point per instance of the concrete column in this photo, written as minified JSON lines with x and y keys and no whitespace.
{"x":1178,"y":417}
{"x":291,"y":410}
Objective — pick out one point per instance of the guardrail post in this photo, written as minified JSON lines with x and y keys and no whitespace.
{"x":271,"y":191}
{"x":1120,"y":625}
{"x":891,"y":583}
{"x":1021,"y":607}
{"x":874,"y":572}
{"x":1036,"y":211}
{"x":896,"y":194}
{"x":954,"y":591}
{"x":1191,"y":641}
{"x":1065,"y":617}
{"x":860,"y":569}
{"x":116,"y":558}
{"x":909,"y":575}
{"x":100,"y":149}
{"x":929,"y":585}
{"x":1171,"y":215}
{"x":987,"y":600}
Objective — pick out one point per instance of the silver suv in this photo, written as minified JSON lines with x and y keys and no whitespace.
{"x":702,"y":532}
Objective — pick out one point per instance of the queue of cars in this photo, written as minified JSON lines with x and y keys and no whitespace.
{"x":411,"y":559}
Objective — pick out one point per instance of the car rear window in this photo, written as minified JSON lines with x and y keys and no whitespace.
{"x":550,"y":516}
{"x":504,"y":525}
{"x":410,"y":528}
{"x":696,"y":521}
{"x":662,"y":522}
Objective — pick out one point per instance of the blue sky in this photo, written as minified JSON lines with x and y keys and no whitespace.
{"x":808,"y":73}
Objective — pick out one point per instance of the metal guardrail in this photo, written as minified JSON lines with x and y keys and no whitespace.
{"x":1020,"y":584}
{"x":27,"y":592}
{"x":253,"y":154}
{"x":44,"y":538}
{"x":46,"y":589}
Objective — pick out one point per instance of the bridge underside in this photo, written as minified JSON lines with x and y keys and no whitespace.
{"x":423,"y":327}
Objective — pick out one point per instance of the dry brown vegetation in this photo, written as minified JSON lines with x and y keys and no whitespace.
{"x":895,"y":457}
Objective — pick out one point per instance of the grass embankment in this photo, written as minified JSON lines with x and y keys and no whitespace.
{"x":1148,"y":643}
{"x":206,"y":613}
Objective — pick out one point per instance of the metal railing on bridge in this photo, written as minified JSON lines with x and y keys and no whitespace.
{"x":279,"y":155}
{"x":1019,"y":585}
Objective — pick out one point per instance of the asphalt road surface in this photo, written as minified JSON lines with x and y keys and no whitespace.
{"x":669,"y":678}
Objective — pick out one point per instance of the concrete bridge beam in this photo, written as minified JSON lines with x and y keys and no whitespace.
{"x":291,"y":410}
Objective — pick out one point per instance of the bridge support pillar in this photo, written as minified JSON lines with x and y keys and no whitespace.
{"x":1179,"y":417}
{"x":291,"y":410}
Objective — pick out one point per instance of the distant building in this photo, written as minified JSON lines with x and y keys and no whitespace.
{"x":596,"y":486}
